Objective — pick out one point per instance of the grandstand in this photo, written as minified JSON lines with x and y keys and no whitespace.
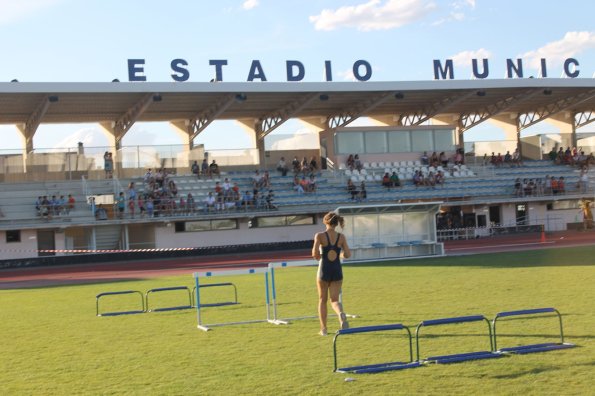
{"x":477,"y":199}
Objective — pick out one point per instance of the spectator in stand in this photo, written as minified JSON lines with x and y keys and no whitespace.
{"x":54,"y":205}
{"x":430,"y":180}
{"x":131,"y":207}
{"x":313,"y":165}
{"x":425,"y":160}
{"x":150,"y":204}
{"x":350,"y":163}
{"x":581,"y":160}
{"x":107,"y":164}
{"x":554,"y":183}
{"x":121,"y":205}
{"x":266,"y":179}
{"x":418,"y":178}
{"x":140,"y":202}
{"x":459,"y":157}
{"x":499,"y":160}
{"x":282,"y":166}
{"x":386,"y":181}
{"x":204,"y":168}
{"x":518,"y":188}
{"x":583,"y":180}
{"x":526,"y":188}
{"x":547,"y":185}
{"x":182,"y":206}
{"x":516,"y":158}
{"x":559,"y":157}
{"x":148,"y":178}
{"x":247,"y":200}
{"x":493,"y":159}
{"x":209,"y":202}
{"x":190,"y":204}
{"x":269,"y":200}
{"x":38,"y":205}
{"x":46,"y":207}
{"x":159,"y":177}
{"x":394,"y":180}
{"x":357,"y":163}
{"x":296,"y":165}
{"x":131,"y":192}
{"x":351,"y":189}
{"x":100,"y":213}
{"x":508,"y":159}
{"x":568,"y":157}
{"x":297,"y":186}
{"x":312,"y":182}
{"x":434,"y":159}
{"x":305,"y":183}
{"x":539,"y":187}
{"x":439,"y":179}
{"x":363,"y":194}
{"x":443,"y":159}
{"x":195,"y":168}
{"x":305,"y":166}
{"x":70,"y":204}
{"x":561,"y":185}
{"x":214,"y":169}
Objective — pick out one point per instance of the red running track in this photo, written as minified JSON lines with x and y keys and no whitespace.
{"x":129,"y":270}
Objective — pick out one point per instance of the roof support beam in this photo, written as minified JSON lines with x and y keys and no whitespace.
{"x":584,"y":118}
{"x":438,"y":107}
{"x":127,"y":120}
{"x":528,"y":119}
{"x":199,"y":123}
{"x":269,"y":123}
{"x":351,"y":115}
{"x":469,"y":120}
{"x":29,"y":128}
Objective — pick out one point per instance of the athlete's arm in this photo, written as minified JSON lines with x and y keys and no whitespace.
{"x":345,"y":247}
{"x":316,"y":247}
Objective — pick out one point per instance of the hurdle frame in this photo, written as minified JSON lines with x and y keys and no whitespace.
{"x":377,"y":367}
{"x":245,"y":271}
{"x":219,"y":304}
{"x":531,"y":348}
{"x":457,"y":357}
{"x":286,"y":264}
{"x":173,"y":308}
{"x":116,"y":313}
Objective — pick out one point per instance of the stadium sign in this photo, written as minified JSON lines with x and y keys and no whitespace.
{"x":361,"y":69}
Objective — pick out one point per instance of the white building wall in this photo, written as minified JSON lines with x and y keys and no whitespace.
{"x":27,"y":247}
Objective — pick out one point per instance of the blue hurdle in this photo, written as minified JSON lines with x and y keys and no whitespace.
{"x":532,"y":348}
{"x":169,"y":289}
{"x":217,"y":304}
{"x":458,"y":357}
{"x":209,"y":274}
{"x":142,"y":301}
{"x":377,"y":367}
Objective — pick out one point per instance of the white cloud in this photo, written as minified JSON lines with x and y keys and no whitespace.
{"x":347,"y":75}
{"x":250,"y":4}
{"x":464,"y":58}
{"x":13,"y":11}
{"x":556,"y":52}
{"x":373,"y":15}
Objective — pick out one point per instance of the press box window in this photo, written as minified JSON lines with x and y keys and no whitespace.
{"x":13,"y":236}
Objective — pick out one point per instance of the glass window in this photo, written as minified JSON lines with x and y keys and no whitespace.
{"x":391,"y":227}
{"x":375,"y":142}
{"x":349,"y":142}
{"x":198,"y":225}
{"x":224,"y":224}
{"x":444,"y":140}
{"x":13,"y":236}
{"x":416,"y":224}
{"x":300,"y":220}
{"x":399,"y":142}
{"x":271,"y":221}
{"x":422,"y":141}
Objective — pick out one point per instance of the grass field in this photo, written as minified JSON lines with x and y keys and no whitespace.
{"x":54,"y":344}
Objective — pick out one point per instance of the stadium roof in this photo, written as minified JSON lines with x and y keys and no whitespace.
{"x":336,"y":104}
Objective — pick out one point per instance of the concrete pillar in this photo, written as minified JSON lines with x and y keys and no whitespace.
{"x":565,"y":123}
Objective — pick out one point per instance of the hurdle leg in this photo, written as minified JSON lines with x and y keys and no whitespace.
{"x":197,"y":287}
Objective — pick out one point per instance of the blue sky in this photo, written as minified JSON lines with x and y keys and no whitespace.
{"x":67,"y":40}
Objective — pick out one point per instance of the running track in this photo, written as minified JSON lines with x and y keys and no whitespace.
{"x":129,"y":270}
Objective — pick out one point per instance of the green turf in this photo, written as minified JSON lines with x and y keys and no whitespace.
{"x":52,"y":342}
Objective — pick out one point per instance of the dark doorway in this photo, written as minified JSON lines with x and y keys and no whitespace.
{"x":46,"y":241}
{"x":495,"y":215}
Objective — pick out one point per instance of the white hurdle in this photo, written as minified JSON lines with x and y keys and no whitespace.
{"x":286,"y":264}
{"x":246,"y":271}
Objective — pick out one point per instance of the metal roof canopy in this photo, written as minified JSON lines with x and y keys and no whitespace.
{"x":109,"y":102}
{"x":431,"y":207}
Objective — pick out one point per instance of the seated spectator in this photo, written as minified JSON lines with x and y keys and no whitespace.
{"x":195,"y":169}
{"x":305,"y":166}
{"x":518,"y":188}
{"x":425,"y":160}
{"x":214,"y":169}
{"x":100,"y":213}
{"x":297,"y":185}
{"x":443,"y":159}
{"x":38,"y":206}
{"x":70,"y":203}
{"x":131,"y":207}
{"x":439,"y":178}
{"x":269,"y":200}
{"x":351,"y":189}
{"x":140,"y":202}
{"x":305,"y":183}
{"x":552,"y":155}
{"x":296,"y":165}
{"x":266,"y":179}
{"x":150,"y":204}
{"x":394,"y":180}
{"x":561,"y":185}
{"x":459,"y":157}
{"x":357,"y":163}
{"x":313,"y":165}
{"x":430,"y":180}
{"x":120,"y":205}
{"x":312,"y":183}
{"x":226,"y":188}
{"x":46,"y":207}
{"x":350,"y":163}
{"x":516,"y":158}
{"x":547,"y":185}
{"x":209,"y":202}
{"x":282,"y":166}
{"x":583,"y":180}
{"x":363,"y":194}
{"x":499,"y":160}
{"x":190,"y":204}
{"x":581,"y":160}
{"x":508,"y":159}
{"x":386,"y":180}
{"x":418,"y":178}
{"x":554,"y":183}
{"x":148,"y":177}
{"x":247,"y":200}
{"x":434,"y":159}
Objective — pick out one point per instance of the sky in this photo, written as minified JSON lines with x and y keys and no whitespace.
{"x":91,"y":41}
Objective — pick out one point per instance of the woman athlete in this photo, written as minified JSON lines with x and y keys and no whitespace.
{"x":327,"y":250}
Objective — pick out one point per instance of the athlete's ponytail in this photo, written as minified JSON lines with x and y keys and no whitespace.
{"x":333,"y":219}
